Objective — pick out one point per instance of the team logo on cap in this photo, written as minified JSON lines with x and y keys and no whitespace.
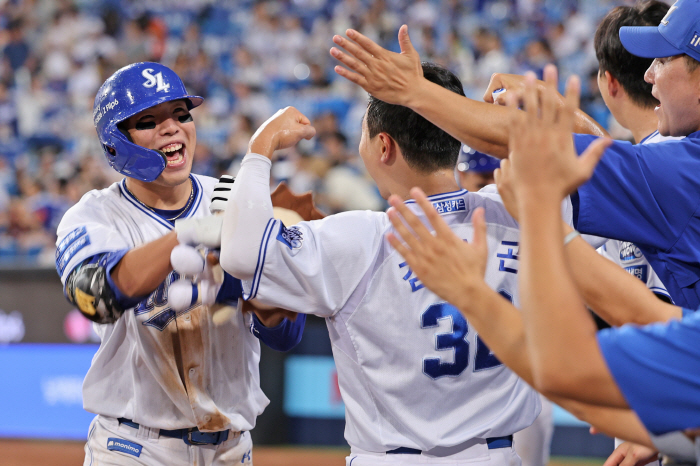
{"x":668,"y":14}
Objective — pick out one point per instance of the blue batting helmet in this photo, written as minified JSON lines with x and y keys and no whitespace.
{"x":127,"y":92}
{"x":472,"y":160}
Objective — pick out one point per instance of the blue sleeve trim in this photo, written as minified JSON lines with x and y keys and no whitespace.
{"x":283,"y":337}
{"x":262,"y":253}
{"x":687,"y":312}
{"x":231,"y":289}
{"x":69,"y":247}
{"x":108,"y":261}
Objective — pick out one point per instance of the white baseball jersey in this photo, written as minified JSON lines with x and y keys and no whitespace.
{"x":160,"y":368}
{"x":412,"y":371}
{"x":628,"y":256}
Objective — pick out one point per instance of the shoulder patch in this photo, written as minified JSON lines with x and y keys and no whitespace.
{"x":292,"y":237}
{"x":124,"y":446}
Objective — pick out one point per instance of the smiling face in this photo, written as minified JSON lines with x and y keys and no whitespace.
{"x":169,"y":128}
{"x":678,"y":92}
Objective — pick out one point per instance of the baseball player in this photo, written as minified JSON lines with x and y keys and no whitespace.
{"x":475,"y":169}
{"x":168,"y":387}
{"x":554,"y":344}
{"x":418,"y":383}
{"x":634,"y":193}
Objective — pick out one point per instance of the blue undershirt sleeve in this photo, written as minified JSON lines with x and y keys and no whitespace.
{"x":230,"y":290}
{"x":283,"y":337}
{"x":657,"y":368}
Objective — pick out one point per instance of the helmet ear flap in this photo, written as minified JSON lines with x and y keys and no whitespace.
{"x":125,"y":133}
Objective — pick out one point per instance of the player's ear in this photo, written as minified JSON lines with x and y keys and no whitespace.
{"x":387,"y":148}
{"x":613,"y":84}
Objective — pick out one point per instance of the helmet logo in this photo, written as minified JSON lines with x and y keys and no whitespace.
{"x":154,"y":80}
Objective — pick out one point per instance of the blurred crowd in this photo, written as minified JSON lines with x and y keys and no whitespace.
{"x":248,"y":59}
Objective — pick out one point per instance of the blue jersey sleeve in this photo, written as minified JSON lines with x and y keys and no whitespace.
{"x":283,"y":337}
{"x":108,"y":260}
{"x":629,"y":196}
{"x":657,"y":368}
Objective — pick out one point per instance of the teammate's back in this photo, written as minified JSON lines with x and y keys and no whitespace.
{"x":416,"y":380}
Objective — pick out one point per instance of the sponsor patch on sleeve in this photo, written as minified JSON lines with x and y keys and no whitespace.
{"x":292,"y":237}
{"x":124,"y":446}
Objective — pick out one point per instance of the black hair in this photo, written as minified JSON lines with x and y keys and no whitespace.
{"x":424,"y":146}
{"x":628,"y":69}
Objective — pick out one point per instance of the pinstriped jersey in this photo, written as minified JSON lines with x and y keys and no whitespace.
{"x":412,"y":371}
{"x":157,"y":367}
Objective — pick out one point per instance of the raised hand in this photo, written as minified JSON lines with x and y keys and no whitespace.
{"x":542,"y":151}
{"x":388,"y":76}
{"x":447,"y":265}
{"x":284,"y":129}
{"x":631,"y":454}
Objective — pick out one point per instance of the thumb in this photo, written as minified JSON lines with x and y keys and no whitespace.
{"x":308,"y":131}
{"x":592,"y":155}
{"x":405,"y":41}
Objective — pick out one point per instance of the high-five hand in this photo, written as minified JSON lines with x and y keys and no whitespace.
{"x":388,"y":76}
{"x":447,"y":265}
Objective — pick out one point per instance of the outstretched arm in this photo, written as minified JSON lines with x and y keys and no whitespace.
{"x":615,"y":295}
{"x":612,"y":293}
{"x":397,"y":78}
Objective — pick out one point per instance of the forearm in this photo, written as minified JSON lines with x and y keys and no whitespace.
{"x":614,"y":422}
{"x":480,"y":125}
{"x":561,"y":335}
{"x":500,"y":325}
{"x":248,"y":212}
{"x":615,"y":295}
{"x":144,"y":268}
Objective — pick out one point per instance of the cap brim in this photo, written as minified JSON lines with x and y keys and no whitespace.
{"x":646,"y":42}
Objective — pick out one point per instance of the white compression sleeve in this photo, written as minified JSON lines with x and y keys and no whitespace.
{"x":247,"y":213}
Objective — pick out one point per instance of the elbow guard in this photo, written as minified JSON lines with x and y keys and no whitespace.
{"x":88,"y":290}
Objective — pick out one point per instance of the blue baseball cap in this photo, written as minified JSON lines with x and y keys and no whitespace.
{"x":472,"y":160}
{"x":678,"y":33}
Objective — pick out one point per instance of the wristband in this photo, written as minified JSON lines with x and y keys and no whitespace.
{"x":568,"y":238}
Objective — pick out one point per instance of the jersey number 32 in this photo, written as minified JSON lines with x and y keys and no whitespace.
{"x":434,"y":367}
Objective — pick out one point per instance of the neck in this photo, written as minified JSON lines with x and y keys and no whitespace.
{"x":439,"y":182}
{"x":160,"y":196}
{"x":639,"y":120}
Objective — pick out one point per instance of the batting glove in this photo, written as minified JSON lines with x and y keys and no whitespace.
{"x":205,"y":231}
